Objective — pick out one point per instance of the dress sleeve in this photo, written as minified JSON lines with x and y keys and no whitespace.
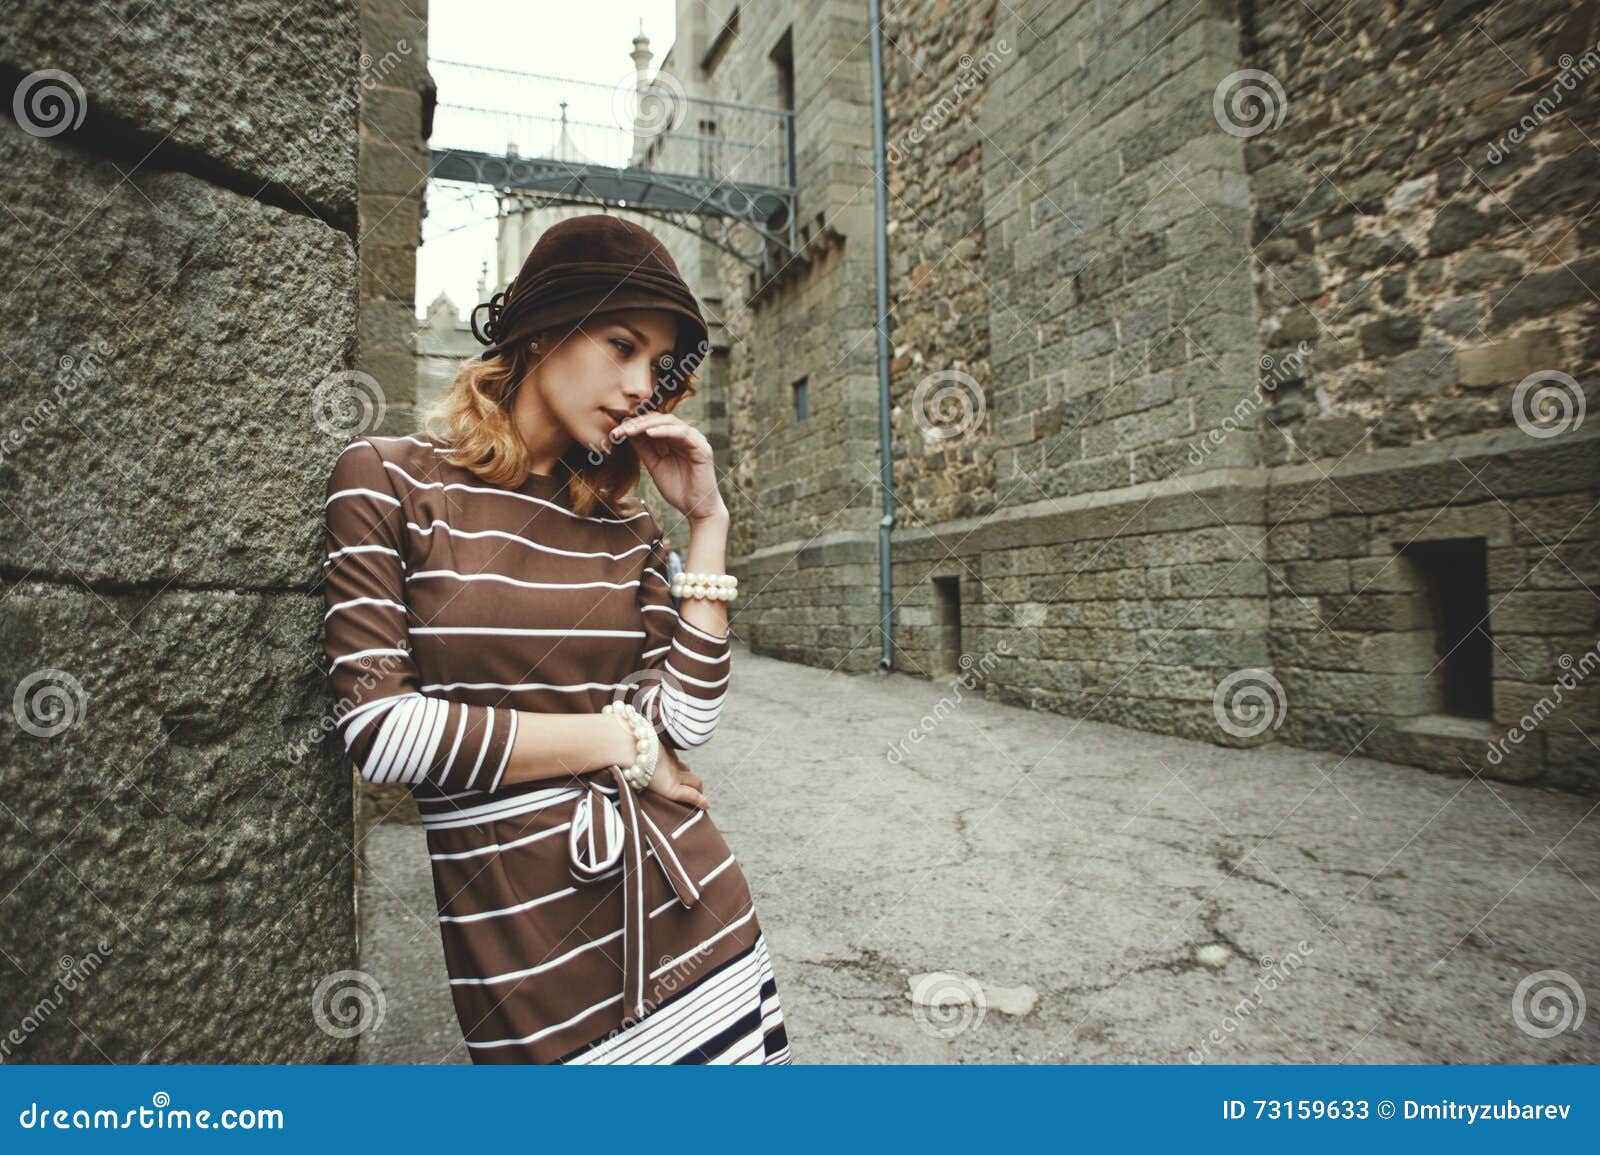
{"x":393,"y":731}
{"x":685,"y":700}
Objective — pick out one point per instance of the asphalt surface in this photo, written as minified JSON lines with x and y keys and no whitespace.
{"x":1023,"y":887}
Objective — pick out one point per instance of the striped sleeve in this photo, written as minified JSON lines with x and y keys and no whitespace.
{"x":685,"y":700}
{"x":393,"y":731}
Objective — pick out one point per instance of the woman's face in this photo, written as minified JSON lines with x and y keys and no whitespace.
{"x":600,"y":375}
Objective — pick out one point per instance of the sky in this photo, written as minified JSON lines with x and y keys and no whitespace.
{"x":582,"y":39}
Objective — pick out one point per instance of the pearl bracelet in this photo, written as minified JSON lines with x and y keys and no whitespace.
{"x":646,"y":745}
{"x":712,"y":586}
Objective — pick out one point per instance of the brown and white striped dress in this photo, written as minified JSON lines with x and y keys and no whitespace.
{"x":581,"y":922}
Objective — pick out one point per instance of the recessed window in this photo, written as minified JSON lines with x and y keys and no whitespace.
{"x":802,"y":401}
{"x":947,"y":623}
{"x":1455,"y":589}
{"x":782,"y":57}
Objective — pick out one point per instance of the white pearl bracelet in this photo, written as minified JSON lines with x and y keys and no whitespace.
{"x":646,"y":745}
{"x":713,"y":586}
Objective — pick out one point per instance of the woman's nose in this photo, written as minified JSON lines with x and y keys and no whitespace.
{"x":641,"y":383}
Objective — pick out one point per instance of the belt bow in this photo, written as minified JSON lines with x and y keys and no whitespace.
{"x":605,"y":830}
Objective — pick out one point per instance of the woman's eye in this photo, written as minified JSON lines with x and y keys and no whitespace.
{"x":625,"y":346}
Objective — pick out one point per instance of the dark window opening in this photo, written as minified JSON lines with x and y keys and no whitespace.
{"x":783,"y":60}
{"x":802,"y":400}
{"x":947,"y":622}
{"x":1456,"y":585}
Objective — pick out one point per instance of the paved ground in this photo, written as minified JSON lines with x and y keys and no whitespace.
{"x":1156,"y":900}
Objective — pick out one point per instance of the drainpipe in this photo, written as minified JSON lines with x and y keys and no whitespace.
{"x":880,"y":230}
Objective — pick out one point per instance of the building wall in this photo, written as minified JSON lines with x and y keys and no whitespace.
{"x":804,"y":495}
{"x":1434,"y":249}
{"x":181,"y":268}
{"x":1180,"y":399}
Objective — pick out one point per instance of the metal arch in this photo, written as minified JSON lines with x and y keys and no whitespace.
{"x":686,"y":202}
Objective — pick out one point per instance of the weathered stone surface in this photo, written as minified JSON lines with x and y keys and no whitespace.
{"x":194,"y":816}
{"x":182,"y":443}
{"x":182,"y":277}
{"x":251,"y":93}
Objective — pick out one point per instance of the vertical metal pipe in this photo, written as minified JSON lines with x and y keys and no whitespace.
{"x":880,"y":230}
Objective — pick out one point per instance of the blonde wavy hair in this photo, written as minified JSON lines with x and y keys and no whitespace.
{"x":475,"y":413}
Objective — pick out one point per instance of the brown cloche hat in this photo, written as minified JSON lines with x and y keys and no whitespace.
{"x":584,"y":266}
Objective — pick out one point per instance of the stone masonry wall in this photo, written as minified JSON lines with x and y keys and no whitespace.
{"x":178,"y":251}
{"x":1423,"y":185}
{"x":1100,"y":572}
{"x":1229,"y":378}
{"x":803,"y":493}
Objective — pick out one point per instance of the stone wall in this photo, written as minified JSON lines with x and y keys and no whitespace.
{"x":804,"y":494}
{"x":1054,"y":360}
{"x":396,"y":115}
{"x":385,"y":393}
{"x":1209,"y":324}
{"x":179,"y":252}
{"x":1423,"y":227}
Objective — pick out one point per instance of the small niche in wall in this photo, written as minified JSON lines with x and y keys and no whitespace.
{"x":1453,"y":583}
{"x":947,"y":624}
{"x":802,"y":400}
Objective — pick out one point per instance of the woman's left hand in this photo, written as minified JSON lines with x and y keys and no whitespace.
{"x":674,"y":780}
{"x":680,"y":462}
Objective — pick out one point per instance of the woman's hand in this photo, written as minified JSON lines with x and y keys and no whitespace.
{"x":679,"y":460}
{"x":676,"y":781}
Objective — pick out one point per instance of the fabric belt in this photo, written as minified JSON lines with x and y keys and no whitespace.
{"x":606,"y":829}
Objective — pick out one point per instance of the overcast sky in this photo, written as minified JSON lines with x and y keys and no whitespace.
{"x":582,"y":39}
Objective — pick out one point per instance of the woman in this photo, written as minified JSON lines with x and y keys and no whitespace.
{"x":502,"y":640}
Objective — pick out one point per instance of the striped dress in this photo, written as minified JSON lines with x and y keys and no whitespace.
{"x":581,"y":922}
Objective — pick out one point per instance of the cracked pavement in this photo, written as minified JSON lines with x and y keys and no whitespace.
{"x":1352,"y":910}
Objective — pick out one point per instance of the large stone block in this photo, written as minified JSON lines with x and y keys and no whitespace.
{"x":263,"y":93}
{"x":180,"y":826}
{"x":188,"y":437}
